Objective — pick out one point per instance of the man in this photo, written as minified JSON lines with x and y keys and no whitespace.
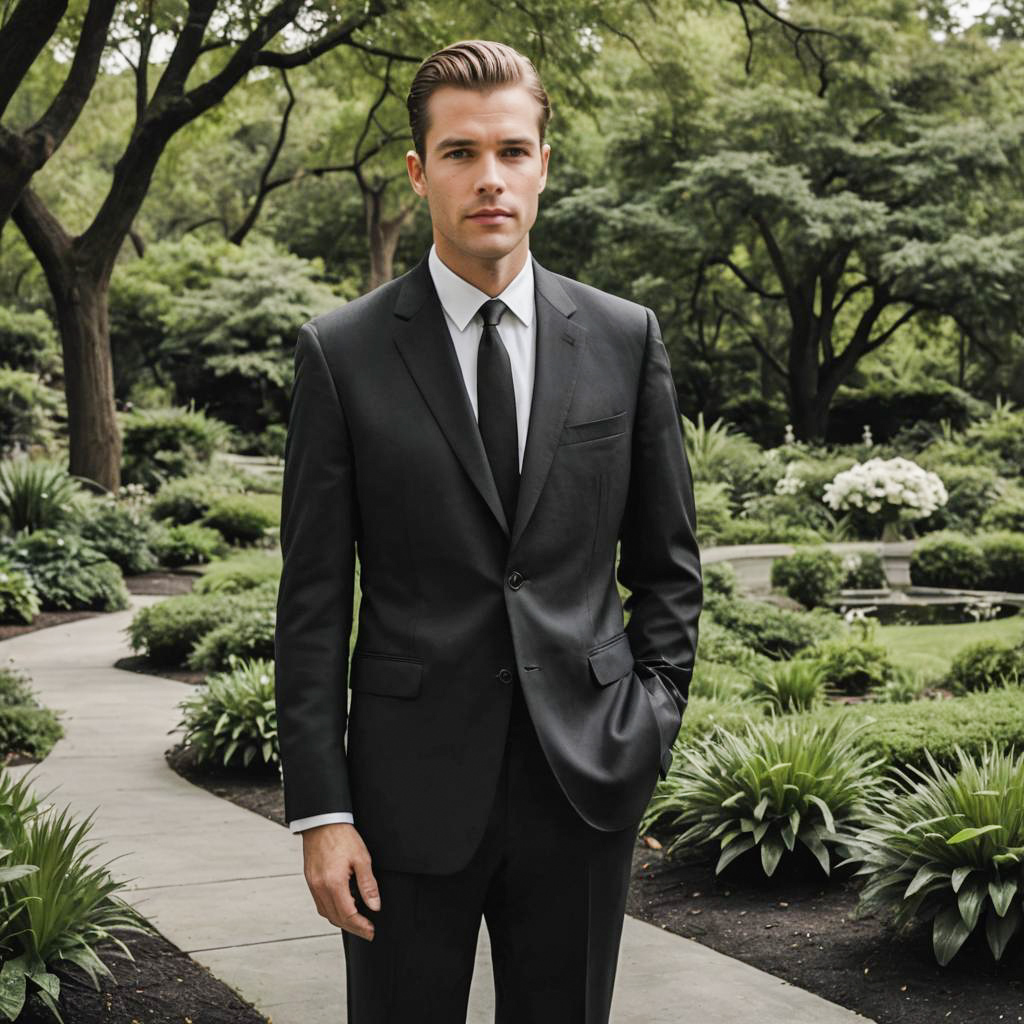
{"x":484,"y":431}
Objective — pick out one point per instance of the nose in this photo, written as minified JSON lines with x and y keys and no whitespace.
{"x":490,"y":180}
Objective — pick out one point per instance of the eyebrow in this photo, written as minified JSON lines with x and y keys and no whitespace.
{"x":459,"y":143}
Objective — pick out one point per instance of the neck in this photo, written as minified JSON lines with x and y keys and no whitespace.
{"x":491,"y":276}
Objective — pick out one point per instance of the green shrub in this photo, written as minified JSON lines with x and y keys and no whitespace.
{"x":37,"y":494}
{"x":716,"y":682}
{"x":19,"y":601}
{"x":704,"y":715}
{"x":250,"y":635}
{"x":903,"y":732}
{"x":188,"y":544}
{"x":56,"y":907}
{"x":971,"y":491}
{"x":717,"y":644}
{"x":28,"y":410}
{"x":25,"y":726}
{"x":67,"y":573}
{"x":168,"y":630}
{"x":947,"y":559}
{"x":188,"y":498}
{"x":121,"y":527}
{"x":984,"y":665}
{"x":160,"y":444}
{"x":759,"y":531}
{"x":715,"y":512}
{"x":1007,"y":513}
{"x":721,"y":578}
{"x":1002,"y":433}
{"x":232,"y":720}
{"x":864,"y":570}
{"x":947,"y":848}
{"x":1003,"y":553}
{"x":810,"y":575}
{"x":768,"y":629}
{"x":240,"y":518}
{"x":779,"y":782}
{"x":852,"y":666}
{"x":240,"y":572}
{"x":789,"y":686}
{"x":902,"y":687}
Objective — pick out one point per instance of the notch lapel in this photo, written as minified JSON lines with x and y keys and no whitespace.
{"x":560,"y":344}
{"x":425,"y":344}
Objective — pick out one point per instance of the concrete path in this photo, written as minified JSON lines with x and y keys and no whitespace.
{"x":226,"y":885}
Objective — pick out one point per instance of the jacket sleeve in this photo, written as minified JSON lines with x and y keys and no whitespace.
{"x":319,"y":526}
{"x":659,"y":559}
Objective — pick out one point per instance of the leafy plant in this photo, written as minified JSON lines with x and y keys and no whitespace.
{"x":779,"y":782}
{"x":19,"y":600}
{"x":789,"y":686}
{"x":948,"y":848}
{"x":810,"y":575}
{"x":947,"y":559}
{"x":36,"y":494}
{"x":233,"y":718}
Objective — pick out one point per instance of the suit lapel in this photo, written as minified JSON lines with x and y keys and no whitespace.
{"x":424,"y":343}
{"x":560,"y":344}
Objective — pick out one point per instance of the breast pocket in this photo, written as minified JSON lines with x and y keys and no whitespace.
{"x":594,"y":430}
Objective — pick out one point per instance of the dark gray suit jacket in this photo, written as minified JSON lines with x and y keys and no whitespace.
{"x":383,"y":455}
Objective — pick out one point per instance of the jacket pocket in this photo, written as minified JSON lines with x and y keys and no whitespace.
{"x":612,"y":660}
{"x":593,"y":430}
{"x":388,"y":675}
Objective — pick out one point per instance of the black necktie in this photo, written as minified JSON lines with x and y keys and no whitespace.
{"x":496,"y":407}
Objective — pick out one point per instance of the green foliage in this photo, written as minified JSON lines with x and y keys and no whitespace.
{"x":28,"y":411}
{"x":232,"y":720}
{"x":722,"y":646}
{"x":903,"y":732}
{"x":715,"y":515}
{"x":1003,"y":434}
{"x":759,"y":531}
{"x":721,"y":578}
{"x":67,"y":572}
{"x":186,"y":499}
{"x":984,"y":665}
{"x":776,"y":632}
{"x":122,"y":528}
{"x":719,"y":455}
{"x":25,"y":726}
{"x":1003,"y":554}
{"x":55,"y":907}
{"x":29,"y":342}
{"x":19,"y":600}
{"x":972,"y":491}
{"x":852,"y":666}
{"x":810,"y":575}
{"x":246,"y":636}
{"x":168,"y":630}
{"x":947,"y":847}
{"x":187,"y":544}
{"x":240,"y":518}
{"x":789,"y":686}
{"x":1007,"y":512}
{"x":160,"y":444}
{"x":947,"y":559}
{"x":864,"y":570}
{"x":240,"y":572}
{"x":779,"y":782}
{"x":36,"y":494}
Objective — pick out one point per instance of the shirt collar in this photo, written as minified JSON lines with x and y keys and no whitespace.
{"x":461,"y":300}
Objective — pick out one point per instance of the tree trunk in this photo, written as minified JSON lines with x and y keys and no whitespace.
{"x":382,"y":235}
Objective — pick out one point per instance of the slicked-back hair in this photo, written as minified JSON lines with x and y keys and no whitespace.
{"x":471,"y":64}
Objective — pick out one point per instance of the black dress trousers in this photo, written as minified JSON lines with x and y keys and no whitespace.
{"x":551,"y":888}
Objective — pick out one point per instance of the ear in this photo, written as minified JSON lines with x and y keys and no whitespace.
{"x":545,"y":154}
{"x":417,"y":175}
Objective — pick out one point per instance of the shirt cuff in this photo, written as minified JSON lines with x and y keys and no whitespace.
{"x":299,"y":824}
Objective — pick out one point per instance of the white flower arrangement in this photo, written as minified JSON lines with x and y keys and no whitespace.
{"x":895,"y":482}
{"x":790,"y":483}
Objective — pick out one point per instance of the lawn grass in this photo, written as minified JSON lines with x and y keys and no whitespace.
{"x":930,"y":649}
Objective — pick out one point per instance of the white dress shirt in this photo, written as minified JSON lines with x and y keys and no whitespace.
{"x":461,"y":303}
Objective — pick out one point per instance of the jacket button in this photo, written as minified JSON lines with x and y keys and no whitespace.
{"x":515,"y":580}
{"x":505,"y":675}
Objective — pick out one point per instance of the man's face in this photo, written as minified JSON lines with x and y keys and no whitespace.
{"x":485,"y":168}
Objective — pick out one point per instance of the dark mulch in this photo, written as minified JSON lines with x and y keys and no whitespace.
{"x":41,"y":621}
{"x":162,"y":985}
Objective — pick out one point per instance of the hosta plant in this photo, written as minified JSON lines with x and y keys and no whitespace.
{"x":948,"y":848}
{"x":779,"y":782}
{"x":232,"y":720}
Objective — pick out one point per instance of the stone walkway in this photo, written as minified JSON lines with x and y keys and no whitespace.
{"x":226,"y":885}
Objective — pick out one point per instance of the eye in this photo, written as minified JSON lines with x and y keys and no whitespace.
{"x":516,"y":150}
{"x":453,"y":152}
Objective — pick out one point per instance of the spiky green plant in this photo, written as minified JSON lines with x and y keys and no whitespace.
{"x":62,"y":909}
{"x":781,"y":781}
{"x":233,"y":718}
{"x":789,"y":686}
{"x":948,"y":848}
{"x":36,"y":494}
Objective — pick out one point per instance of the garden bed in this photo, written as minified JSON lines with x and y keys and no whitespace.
{"x":797,"y":929}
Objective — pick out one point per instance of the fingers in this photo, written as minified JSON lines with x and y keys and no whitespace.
{"x":367,"y":884}
{"x":329,"y":867}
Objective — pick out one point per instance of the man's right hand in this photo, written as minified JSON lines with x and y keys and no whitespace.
{"x":331,"y":853}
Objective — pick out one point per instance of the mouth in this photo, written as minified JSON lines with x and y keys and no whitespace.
{"x":491,"y":216}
